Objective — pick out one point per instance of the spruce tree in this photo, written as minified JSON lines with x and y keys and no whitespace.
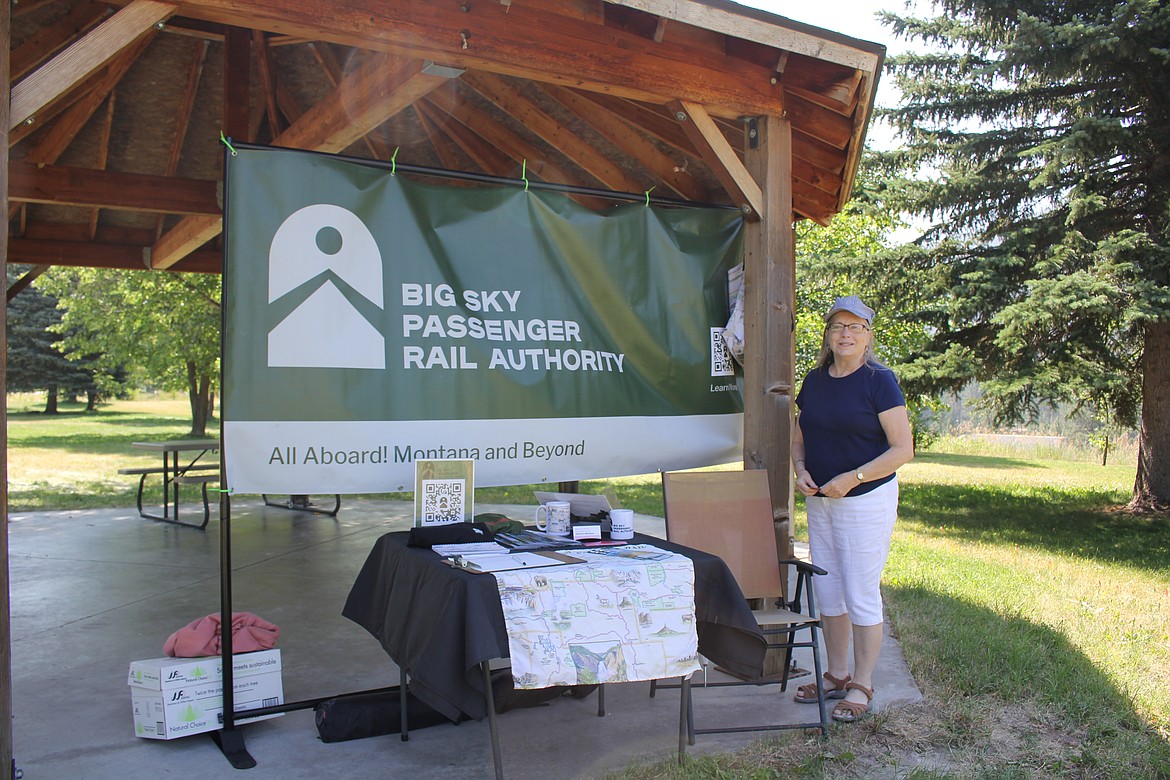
{"x":1041,"y":133}
{"x":34,"y":360}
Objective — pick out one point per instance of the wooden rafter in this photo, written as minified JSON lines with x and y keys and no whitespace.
{"x":84,"y":57}
{"x":103,"y":156}
{"x":267,"y":81}
{"x":436,"y":137}
{"x":623,"y":135}
{"x":49,"y":40}
{"x":511,"y":144}
{"x":85,"y":101}
{"x":376,"y":91}
{"x":530,"y":115}
{"x":183,"y":119}
{"x":332,"y":69}
{"x":486,"y":155}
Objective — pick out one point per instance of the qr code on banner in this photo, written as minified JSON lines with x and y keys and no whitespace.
{"x":444,"y":501}
{"x":721,"y":364}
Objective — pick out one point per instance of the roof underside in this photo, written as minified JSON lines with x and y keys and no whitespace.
{"x":117,"y":109}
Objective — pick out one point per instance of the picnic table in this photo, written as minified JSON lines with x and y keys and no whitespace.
{"x":178,"y":468}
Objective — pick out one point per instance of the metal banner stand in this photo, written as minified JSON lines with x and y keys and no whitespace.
{"x":229,"y":739}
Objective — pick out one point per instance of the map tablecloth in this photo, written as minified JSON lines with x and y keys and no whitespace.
{"x":626,"y":613}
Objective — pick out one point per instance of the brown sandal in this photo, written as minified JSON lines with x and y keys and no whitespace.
{"x":849,"y":711}
{"x":807,"y":693}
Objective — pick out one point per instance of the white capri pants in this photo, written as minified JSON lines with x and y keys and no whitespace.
{"x":850,"y":539}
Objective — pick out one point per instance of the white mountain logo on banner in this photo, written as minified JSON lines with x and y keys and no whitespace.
{"x":325,"y":331}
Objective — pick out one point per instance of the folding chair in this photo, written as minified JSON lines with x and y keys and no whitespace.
{"x":729,"y":514}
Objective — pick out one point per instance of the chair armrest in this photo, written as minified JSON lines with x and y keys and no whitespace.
{"x":804,"y":566}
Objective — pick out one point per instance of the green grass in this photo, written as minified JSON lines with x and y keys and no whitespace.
{"x":1034,"y":615}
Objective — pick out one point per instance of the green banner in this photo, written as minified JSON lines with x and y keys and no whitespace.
{"x":372,"y":320}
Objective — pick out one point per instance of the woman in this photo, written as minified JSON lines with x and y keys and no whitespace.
{"x":851,"y":435}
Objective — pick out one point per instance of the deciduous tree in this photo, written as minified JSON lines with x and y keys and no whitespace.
{"x":162,"y":326}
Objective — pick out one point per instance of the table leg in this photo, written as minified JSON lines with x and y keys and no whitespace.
{"x":403,"y":708}
{"x":490,"y":699}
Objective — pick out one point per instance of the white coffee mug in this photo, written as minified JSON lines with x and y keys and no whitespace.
{"x":621,"y":524}
{"x":556,"y":515}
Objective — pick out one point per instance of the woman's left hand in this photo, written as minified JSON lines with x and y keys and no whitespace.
{"x":839,"y":486}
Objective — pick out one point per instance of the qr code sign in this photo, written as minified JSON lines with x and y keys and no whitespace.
{"x":721,"y":364}
{"x":444,"y":501}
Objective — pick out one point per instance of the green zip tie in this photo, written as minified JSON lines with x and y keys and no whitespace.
{"x":393,"y":162}
{"x":227,"y":143}
{"x":222,"y":490}
{"x":648,"y":194}
{"x":524,"y":173}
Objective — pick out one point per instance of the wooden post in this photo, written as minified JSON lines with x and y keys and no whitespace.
{"x":769,"y":351}
{"x":7,"y":765}
{"x":769,"y":273}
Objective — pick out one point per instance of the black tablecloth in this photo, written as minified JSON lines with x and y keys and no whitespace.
{"x":439,"y":623}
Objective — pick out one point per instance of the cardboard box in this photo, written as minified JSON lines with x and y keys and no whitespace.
{"x":176,"y":697}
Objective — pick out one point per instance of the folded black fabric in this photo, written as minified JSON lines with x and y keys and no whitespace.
{"x":452,"y":533}
{"x":370,"y":715}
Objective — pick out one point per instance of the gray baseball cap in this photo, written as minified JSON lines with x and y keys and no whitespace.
{"x":853,"y":305}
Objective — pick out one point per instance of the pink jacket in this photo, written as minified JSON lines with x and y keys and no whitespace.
{"x":203,"y":636}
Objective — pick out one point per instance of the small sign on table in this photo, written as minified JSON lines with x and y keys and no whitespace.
{"x":444,"y":492}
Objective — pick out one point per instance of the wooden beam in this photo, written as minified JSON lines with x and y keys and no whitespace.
{"x":65,"y":186}
{"x":332,"y":69}
{"x":183,"y":119}
{"x":237,"y":83}
{"x":513,"y":146}
{"x":714,"y":149}
{"x":84,"y":57}
{"x":654,"y":120}
{"x":22,"y":284}
{"x":49,"y":39}
{"x":768,"y":29}
{"x":491,"y":145}
{"x":381,"y":87}
{"x":527,"y":40}
{"x":96,"y":254}
{"x":563,"y":139}
{"x":86,"y":100}
{"x":489,"y":158}
{"x":437,"y":139}
{"x":103,"y":156}
{"x":373,"y":93}
{"x":267,"y":82}
{"x":58,"y":137}
{"x":670,"y":171}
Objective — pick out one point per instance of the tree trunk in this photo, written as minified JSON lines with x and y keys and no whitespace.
{"x":51,"y":401}
{"x":91,"y":400}
{"x":1151,"y":490}
{"x":199,"y":394}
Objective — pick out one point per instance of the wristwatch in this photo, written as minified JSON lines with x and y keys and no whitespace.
{"x":860,"y":477}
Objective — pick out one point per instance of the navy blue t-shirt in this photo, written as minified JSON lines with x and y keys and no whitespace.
{"x":839,"y":421}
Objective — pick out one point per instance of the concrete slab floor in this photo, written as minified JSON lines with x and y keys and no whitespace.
{"x":93,"y":590}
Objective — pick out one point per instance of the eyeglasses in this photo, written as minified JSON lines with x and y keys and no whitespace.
{"x":856,"y":328}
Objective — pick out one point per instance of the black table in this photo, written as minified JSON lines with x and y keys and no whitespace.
{"x":441,"y":624}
